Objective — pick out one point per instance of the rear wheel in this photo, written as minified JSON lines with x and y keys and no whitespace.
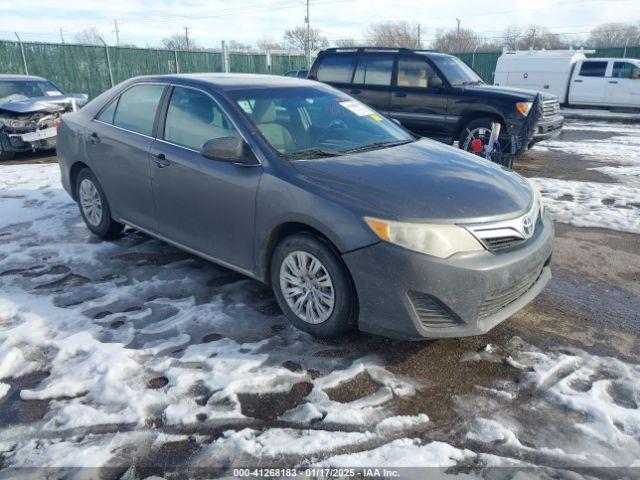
{"x":313,"y":287}
{"x":480,"y":129}
{"x":94,"y":207}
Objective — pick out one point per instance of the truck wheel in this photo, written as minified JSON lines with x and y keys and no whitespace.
{"x":94,"y":207}
{"x":480,"y":128}
{"x":313,"y":287}
{"x":4,"y":155}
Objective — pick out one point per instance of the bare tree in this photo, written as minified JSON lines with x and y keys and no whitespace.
{"x":179,"y":41}
{"x":297,"y":39}
{"x":454,"y":41}
{"x":614,"y":35}
{"x":269,"y":44}
{"x":394,"y":34}
{"x":238,"y":46}
{"x":537,"y":37}
{"x":88,"y":36}
{"x":347,"y":42}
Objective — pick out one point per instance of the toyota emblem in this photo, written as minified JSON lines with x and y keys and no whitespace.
{"x":527,"y":226}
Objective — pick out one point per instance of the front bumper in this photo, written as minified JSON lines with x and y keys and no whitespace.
{"x":408,"y":295}
{"x":43,"y":139}
{"x":548,"y":128}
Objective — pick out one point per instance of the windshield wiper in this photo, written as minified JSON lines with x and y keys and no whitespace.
{"x":311,"y":153}
{"x":376,"y":145}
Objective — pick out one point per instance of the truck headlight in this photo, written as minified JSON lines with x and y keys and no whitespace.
{"x":437,"y":240}
{"x":524,"y":107}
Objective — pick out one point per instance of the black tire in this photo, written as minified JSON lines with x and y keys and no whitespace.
{"x":345,"y":307}
{"x":106,"y":227}
{"x":484,"y":122}
{"x":4,"y":155}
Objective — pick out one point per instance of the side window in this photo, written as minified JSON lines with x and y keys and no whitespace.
{"x":625,"y":70}
{"x":193,"y":117}
{"x":374,"y":70}
{"x":136,"y":110}
{"x":593,"y":69}
{"x":413,"y":72}
{"x":106,"y":115}
{"x":336,"y":68}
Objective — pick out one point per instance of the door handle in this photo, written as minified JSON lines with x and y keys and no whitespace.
{"x":355,"y":91}
{"x":94,"y":138}
{"x":578,"y":81}
{"x":161,"y":161}
{"x":613,"y":81}
{"x":399,"y":94}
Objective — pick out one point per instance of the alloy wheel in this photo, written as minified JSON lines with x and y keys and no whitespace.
{"x":90,"y":202}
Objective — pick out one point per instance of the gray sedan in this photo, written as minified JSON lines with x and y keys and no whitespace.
{"x":354,"y":222}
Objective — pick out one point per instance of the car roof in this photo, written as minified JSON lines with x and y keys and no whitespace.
{"x":230,"y":81}
{"x":13,"y":78}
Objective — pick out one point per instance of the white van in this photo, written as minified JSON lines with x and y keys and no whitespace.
{"x":572,"y":77}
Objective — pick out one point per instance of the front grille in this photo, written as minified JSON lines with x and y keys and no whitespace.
{"x":550,"y":108}
{"x":501,"y":298}
{"x":431,"y":312}
{"x":497,"y":244}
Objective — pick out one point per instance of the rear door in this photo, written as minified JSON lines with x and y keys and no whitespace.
{"x":203,"y":204}
{"x":372,"y":80}
{"x":589,"y":85}
{"x":623,"y":88}
{"x":416,"y":100}
{"x":118,"y":143}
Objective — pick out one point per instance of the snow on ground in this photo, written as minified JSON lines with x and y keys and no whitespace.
{"x":599,"y":114}
{"x":110,"y":351}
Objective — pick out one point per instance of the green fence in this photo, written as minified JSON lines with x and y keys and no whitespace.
{"x":93,"y":69}
{"x":485,"y":62}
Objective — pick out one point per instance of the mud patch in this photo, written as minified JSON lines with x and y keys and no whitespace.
{"x":14,"y":410}
{"x":360,"y":386}
{"x":269,"y":406}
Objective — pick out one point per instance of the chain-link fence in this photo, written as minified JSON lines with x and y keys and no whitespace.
{"x":93,"y":69}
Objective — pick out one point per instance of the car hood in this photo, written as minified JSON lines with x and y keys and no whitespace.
{"x":518,"y":94}
{"x":421,"y":181}
{"x":49,"y":103}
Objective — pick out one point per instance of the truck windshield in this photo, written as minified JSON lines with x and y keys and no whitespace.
{"x":20,"y":89}
{"x":307,"y":122}
{"x":456,"y":71}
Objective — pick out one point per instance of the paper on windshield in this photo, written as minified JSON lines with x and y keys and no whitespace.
{"x":357,"y":108}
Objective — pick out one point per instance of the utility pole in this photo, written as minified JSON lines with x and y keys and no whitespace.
{"x":115,"y":24}
{"x":419,"y":40}
{"x":186,"y":34}
{"x":308,"y":42}
{"x":61,"y":35}
{"x":458,"y":36}
{"x":533,"y":38}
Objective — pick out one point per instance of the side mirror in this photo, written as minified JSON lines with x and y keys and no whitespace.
{"x":435,"y":82}
{"x":228,"y":149}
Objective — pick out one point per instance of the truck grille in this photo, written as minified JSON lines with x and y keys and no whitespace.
{"x":431,"y":312}
{"x":501,"y":298}
{"x":550,"y":108}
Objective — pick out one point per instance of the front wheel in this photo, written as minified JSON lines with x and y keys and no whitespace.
{"x":480,"y":129}
{"x":94,"y":207}
{"x":313,"y":287}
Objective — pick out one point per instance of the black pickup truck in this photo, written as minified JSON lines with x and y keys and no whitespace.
{"x":435,"y":95}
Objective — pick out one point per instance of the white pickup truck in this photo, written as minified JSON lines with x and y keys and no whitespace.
{"x":572,"y":77}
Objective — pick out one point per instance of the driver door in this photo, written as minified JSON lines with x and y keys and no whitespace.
{"x":203,"y":204}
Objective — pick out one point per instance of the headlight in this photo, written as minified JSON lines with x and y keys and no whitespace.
{"x":524,"y":107}
{"x":431,"y":239}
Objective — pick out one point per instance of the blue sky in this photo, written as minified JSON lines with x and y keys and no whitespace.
{"x":146,"y":22}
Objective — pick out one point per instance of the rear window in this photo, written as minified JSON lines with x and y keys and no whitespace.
{"x":374,"y":70}
{"x":136,"y":110}
{"x":336,"y":68}
{"x":593,"y":69}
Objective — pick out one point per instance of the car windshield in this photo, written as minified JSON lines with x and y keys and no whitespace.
{"x":306,"y":122}
{"x":456,"y":71}
{"x":20,"y":89}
